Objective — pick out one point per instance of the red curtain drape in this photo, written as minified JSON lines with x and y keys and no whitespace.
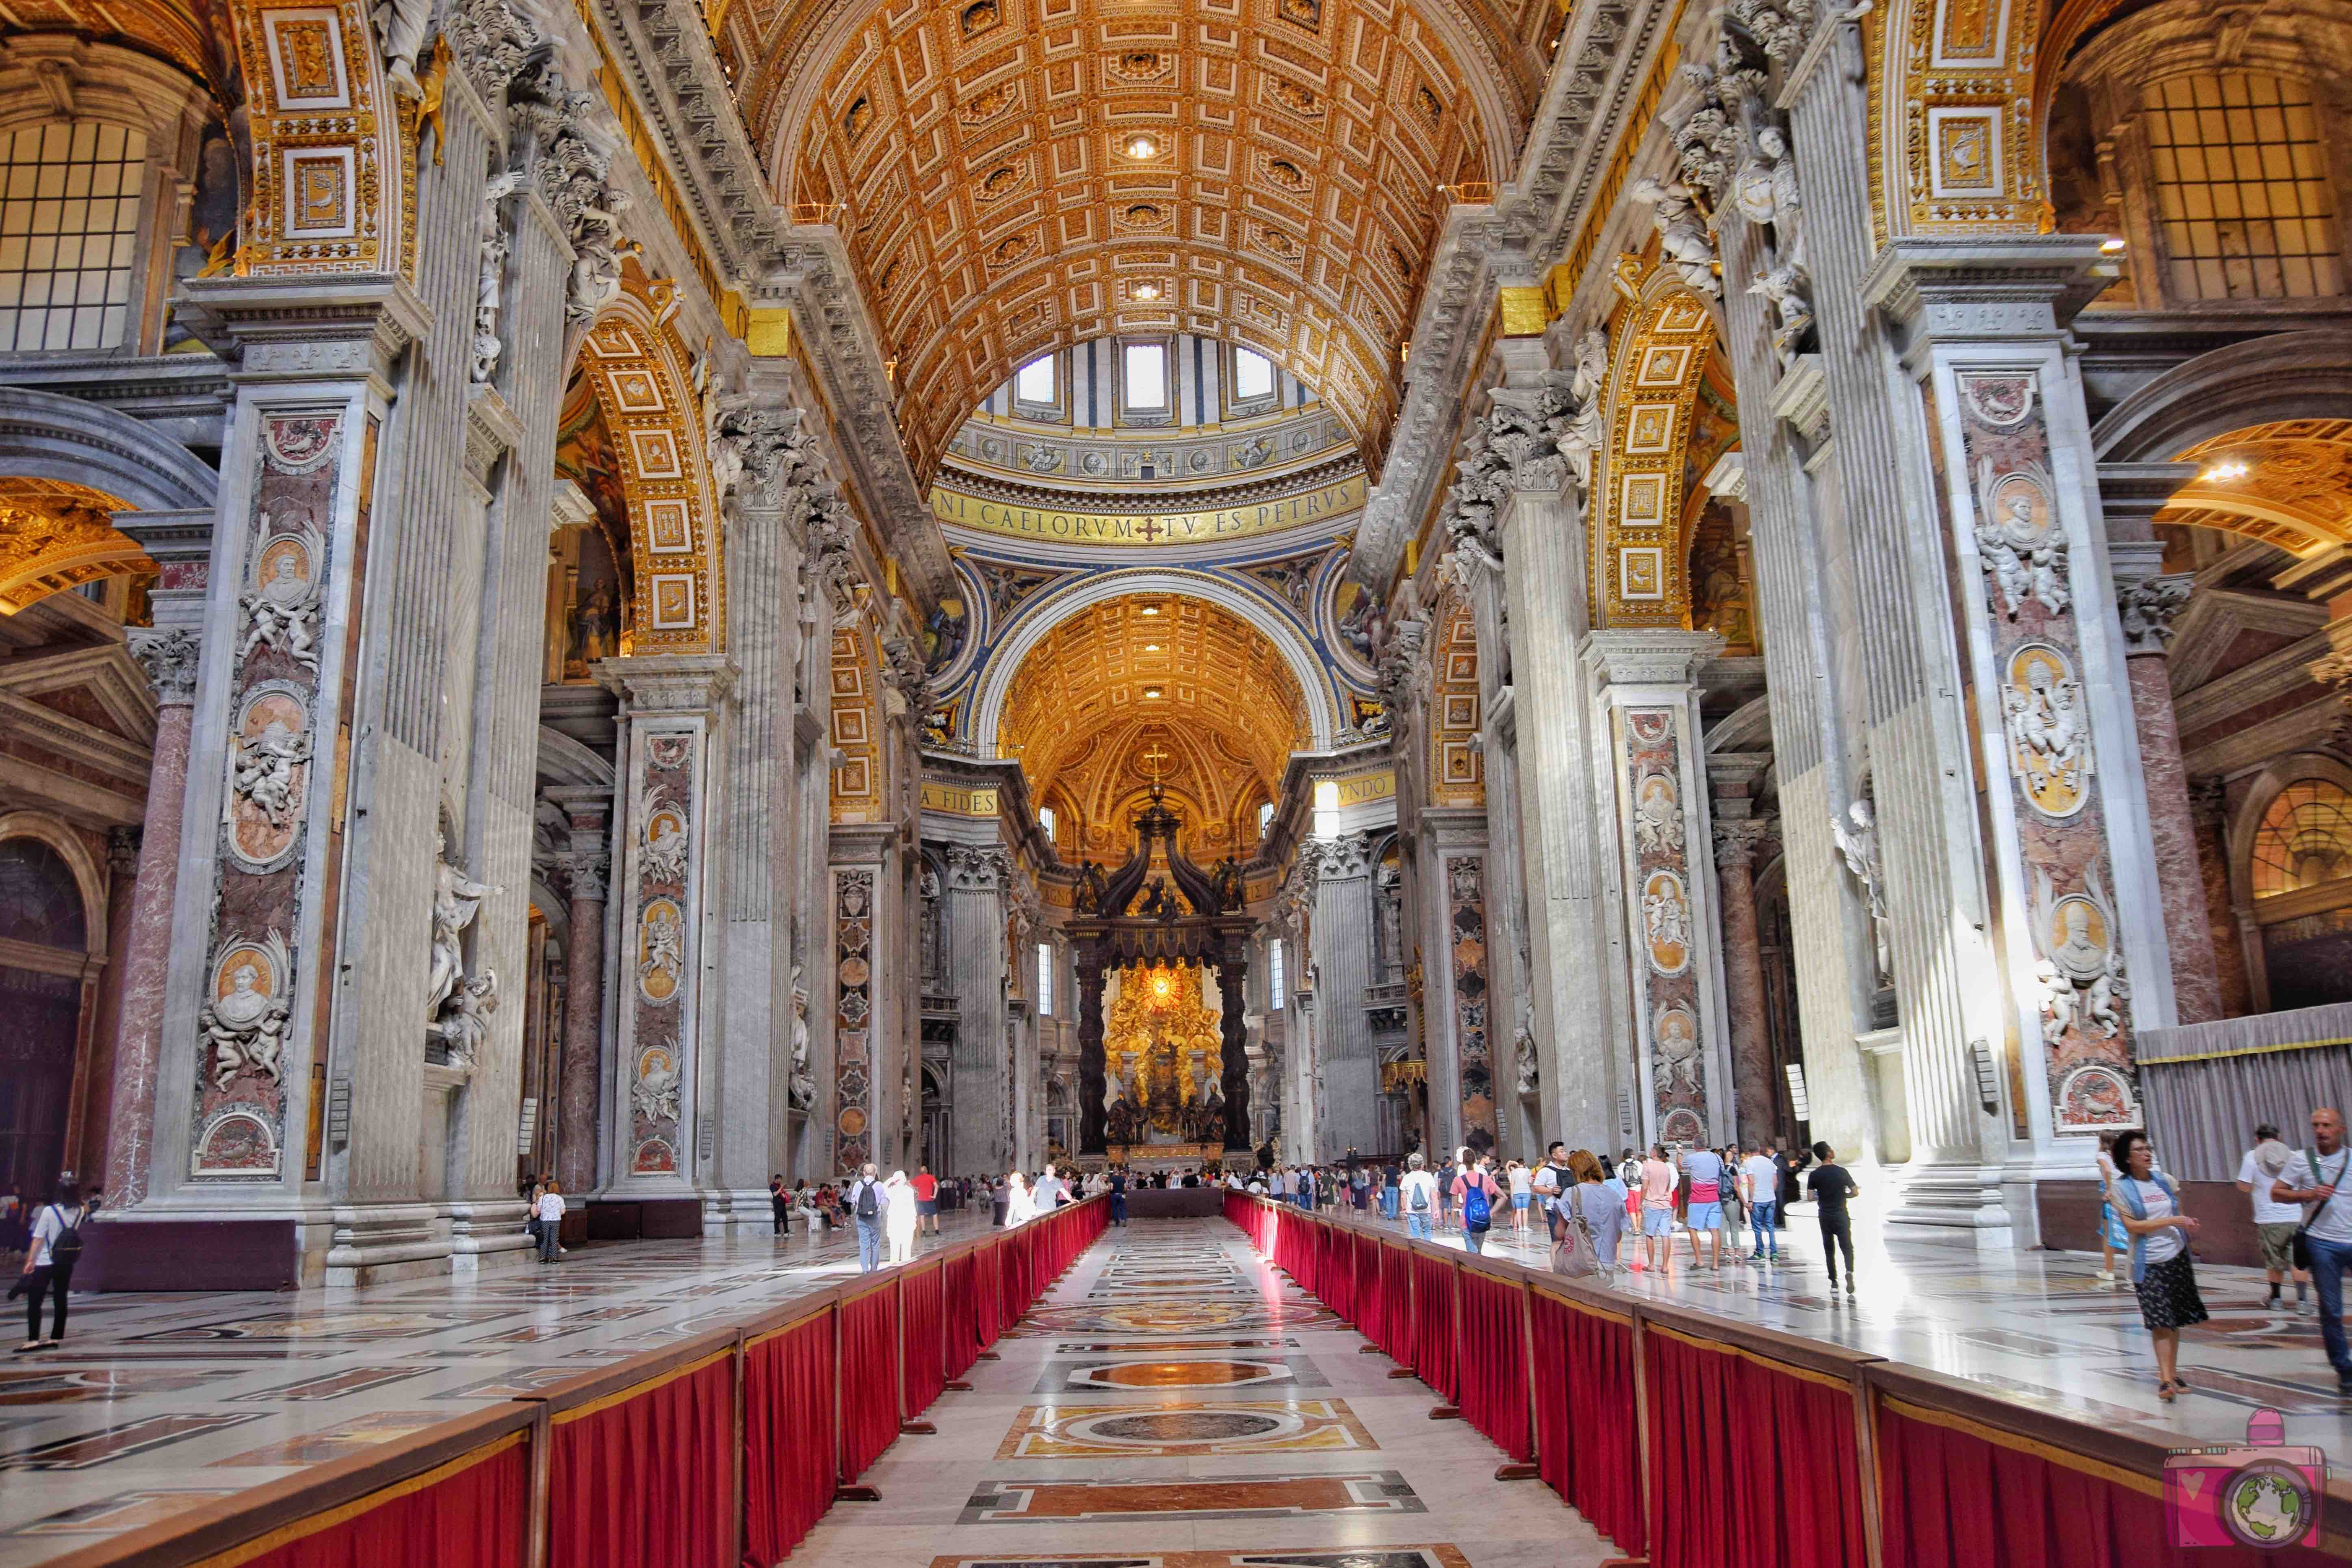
{"x":1937,"y":1487}
{"x":1012,"y":1277}
{"x":869,"y":1378}
{"x":472,"y":1512}
{"x":1602,"y":1463}
{"x":923,"y":1314}
{"x":1493,"y":1363}
{"x":1368,"y":1314}
{"x":789,"y":1439}
{"x":988,"y":1294}
{"x":1750,"y":1462}
{"x":1434,"y":1330}
{"x":647,"y":1481}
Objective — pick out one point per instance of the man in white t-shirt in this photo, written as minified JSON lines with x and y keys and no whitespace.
{"x":2274,"y":1222}
{"x":2316,"y":1178}
{"x":1759,"y":1189}
{"x":1417,"y":1195}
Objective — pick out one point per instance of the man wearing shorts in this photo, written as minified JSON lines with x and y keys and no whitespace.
{"x":1658,"y":1208}
{"x":926,"y":1200}
{"x":1704,"y":1167}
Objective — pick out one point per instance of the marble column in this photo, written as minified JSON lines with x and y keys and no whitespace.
{"x":673,"y":710}
{"x":1735,"y":841}
{"x":144,"y":958}
{"x":587,"y":810}
{"x":1233,"y":1077}
{"x":974,"y":914}
{"x":2146,"y":603}
{"x":1348,"y":1068}
{"x":2209,"y":813}
{"x":1577,"y":1016}
{"x":1646,"y":717}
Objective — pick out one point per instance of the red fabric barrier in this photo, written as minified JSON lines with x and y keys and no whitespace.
{"x":1584,"y":1385}
{"x":1396,"y":1304}
{"x":922,"y":1322}
{"x":1750,"y":1462}
{"x":1434,"y":1335}
{"x":869,"y":1381}
{"x":1493,"y":1363}
{"x":645,"y":1478}
{"x":1339,"y":1271}
{"x":987,"y":1295}
{"x":1368,"y":1286}
{"x":960,"y":1306}
{"x":1013,"y":1279}
{"x":1935,"y":1482}
{"x":789,"y":1439}
{"x":472,"y":1512}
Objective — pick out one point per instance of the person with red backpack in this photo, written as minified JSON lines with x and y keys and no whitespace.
{"x":49,"y":1259}
{"x":1477,"y":1194}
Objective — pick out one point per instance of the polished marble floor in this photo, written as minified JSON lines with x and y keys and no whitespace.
{"x":2035,"y":1327}
{"x":158,"y":1402}
{"x":1173,"y":1402}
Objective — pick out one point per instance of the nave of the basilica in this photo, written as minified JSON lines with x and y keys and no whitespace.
{"x":664,"y":602}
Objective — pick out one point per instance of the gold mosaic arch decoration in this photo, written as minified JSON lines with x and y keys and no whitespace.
{"x":1955,"y":118}
{"x":1458,"y":763}
{"x":639,"y":369}
{"x":1664,"y":336}
{"x":2288,"y":484}
{"x":54,"y":535}
{"x":855,"y":728}
{"x":983,"y":162}
{"x":332,"y":185}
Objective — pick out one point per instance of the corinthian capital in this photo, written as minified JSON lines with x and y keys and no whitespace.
{"x":1737,"y":839}
{"x":2148,"y":609}
{"x":977,"y":870}
{"x":169,"y":657}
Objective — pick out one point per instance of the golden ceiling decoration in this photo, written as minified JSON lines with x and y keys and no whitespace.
{"x":2288,"y":484}
{"x":55,"y":536}
{"x":1457,"y":765}
{"x":1082,"y":714}
{"x":1017,"y":178}
{"x":856,"y":729}
{"x":1662,"y":350}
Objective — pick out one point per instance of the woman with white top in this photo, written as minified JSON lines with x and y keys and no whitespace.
{"x":1020,"y":1208}
{"x":1522,"y":1196}
{"x":899,"y":1219}
{"x":2148,"y":1207}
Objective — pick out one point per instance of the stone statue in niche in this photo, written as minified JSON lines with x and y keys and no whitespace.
{"x":1765,"y":192}
{"x":456,"y":900}
{"x":802,"y":1091}
{"x":400,"y":26}
{"x":1857,"y":840}
{"x":281,"y":609}
{"x":464,"y":1020}
{"x":1524,"y":1049}
{"x":243,"y":1021}
{"x":1786,"y":291}
{"x":491,"y":286}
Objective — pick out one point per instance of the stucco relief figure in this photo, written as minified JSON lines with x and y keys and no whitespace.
{"x":1857,"y":840}
{"x":2049,"y":729}
{"x":1665,"y":917}
{"x":281,"y":610}
{"x":1765,"y":192}
{"x":1677,"y":1041}
{"x":661,"y":951}
{"x":2024,"y":554}
{"x":1787,"y":291}
{"x":269,"y":766}
{"x":1257,"y":449}
{"x":1682,"y":236}
{"x":1658,"y":815}
{"x":491,"y":283}
{"x":456,"y":900}
{"x":654,"y":1095}
{"x":400,"y":26}
{"x":663,"y":858}
{"x":2082,"y":968}
{"x":244,"y":1022}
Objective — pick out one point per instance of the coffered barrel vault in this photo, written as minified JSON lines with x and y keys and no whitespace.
{"x":1015,"y":178}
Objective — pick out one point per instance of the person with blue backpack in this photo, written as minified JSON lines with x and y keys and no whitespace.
{"x":1479,"y":1196}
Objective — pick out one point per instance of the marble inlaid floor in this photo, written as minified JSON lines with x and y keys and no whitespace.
{"x":1228,"y":1423}
{"x":160,"y":1402}
{"x":2033,"y":1326}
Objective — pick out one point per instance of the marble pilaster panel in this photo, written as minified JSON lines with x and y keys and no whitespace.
{"x":673,"y":710}
{"x":975,"y":915}
{"x":855,"y":1021}
{"x":1347,"y":1073}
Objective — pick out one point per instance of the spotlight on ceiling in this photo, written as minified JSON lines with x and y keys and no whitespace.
{"x":1153,"y":692}
{"x":1147,"y":291}
{"x":1151,"y":647}
{"x":1149,"y":610}
{"x":1143,"y":147}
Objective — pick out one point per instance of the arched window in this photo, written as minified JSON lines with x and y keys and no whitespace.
{"x":68,"y":235}
{"x":2304,"y":839}
{"x":2241,"y":189}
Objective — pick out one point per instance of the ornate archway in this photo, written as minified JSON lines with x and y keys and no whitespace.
{"x":1640,"y":576}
